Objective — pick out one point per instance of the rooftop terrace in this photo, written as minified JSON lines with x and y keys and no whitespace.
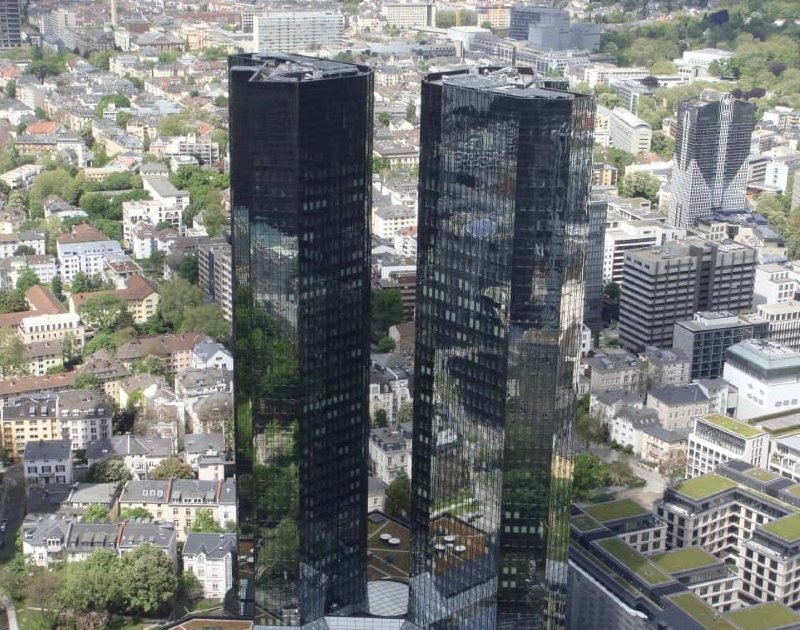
{"x":614,"y":510}
{"x":635,"y":562}
{"x":705,"y":486}
{"x":741,"y":429}
{"x":685,"y":559}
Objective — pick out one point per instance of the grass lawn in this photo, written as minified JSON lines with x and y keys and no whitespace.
{"x":684,"y":559}
{"x":761,"y":474}
{"x":696,"y":608}
{"x":764,"y":617}
{"x":705,"y":486}
{"x":635,"y":562}
{"x":385,"y":560}
{"x":786,"y":528}
{"x":734,"y":426}
{"x":614,"y":510}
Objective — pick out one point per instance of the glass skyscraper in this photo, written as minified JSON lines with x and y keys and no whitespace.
{"x":505,"y":169}
{"x":712,"y":146}
{"x":301,"y":168}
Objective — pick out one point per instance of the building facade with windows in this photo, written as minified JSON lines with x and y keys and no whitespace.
{"x":301,"y":175}
{"x":505,"y":166}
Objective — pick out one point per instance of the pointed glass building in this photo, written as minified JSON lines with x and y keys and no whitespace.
{"x":301,"y":168}
{"x":505,"y":170}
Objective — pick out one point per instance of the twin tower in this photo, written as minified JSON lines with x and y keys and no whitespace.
{"x":504,"y":177}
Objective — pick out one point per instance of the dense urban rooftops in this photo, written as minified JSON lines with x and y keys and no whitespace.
{"x":705,"y":486}
{"x":614,"y":510}
{"x":742,"y":429}
{"x":634,"y":561}
{"x":685,"y":559}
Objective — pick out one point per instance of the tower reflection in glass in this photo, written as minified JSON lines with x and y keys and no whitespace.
{"x":505,"y":169}
{"x":301,"y":166}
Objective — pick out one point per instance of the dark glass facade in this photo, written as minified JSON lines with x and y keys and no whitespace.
{"x":505,"y":167}
{"x":593,"y":281}
{"x":300,"y":137}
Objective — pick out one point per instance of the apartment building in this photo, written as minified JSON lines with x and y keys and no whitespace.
{"x":742,"y":514}
{"x":388,"y":221}
{"x":85,"y":249}
{"x":178,"y":501}
{"x":624,"y":235}
{"x":783,"y":321}
{"x":409,"y":15}
{"x":707,"y":336}
{"x":628,"y":132}
{"x":164,"y":193}
{"x":153,"y":213}
{"x":174,"y":349}
{"x":678,"y":405}
{"x":767,"y":376}
{"x":667,"y":367}
{"x":46,"y":462}
{"x":210,"y":558}
{"x":215,"y":276}
{"x":140,"y":296}
{"x":774,"y":283}
{"x":717,"y":439}
{"x":29,"y":419}
{"x":390,"y":452}
{"x":616,"y":369}
{"x":665,"y":285}
{"x":85,"y":416}
{"x":297,"y":31}
{"x":140,"y":454}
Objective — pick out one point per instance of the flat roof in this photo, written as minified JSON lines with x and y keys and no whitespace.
{"x":705,"y":486}
{"x":635,"y":562}
{"x":762,"y":475}
{"x":614,"y":510}
{"x":584,"y":523}
{"x":786,"y":528}
{"x":770,"y":616}
{"x":701,"y":612}
{"x":742,"y":429}
{"x":685,"y":559}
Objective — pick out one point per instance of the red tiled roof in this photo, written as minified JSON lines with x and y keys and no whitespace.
{"x":83,"y":233}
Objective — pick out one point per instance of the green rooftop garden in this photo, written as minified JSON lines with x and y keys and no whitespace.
{"x":762,"y":475}
{"x":793,"y":490}
{"x":684,"y":559}
{"x":764,"y":617}
{"x":701,"y":612}
{"x":734,"y":426}
{"x":634,"y":561}
{"x":614,"y":510}
{"x":786,"y":528}
{"x":585,"y":523}
{"x":705,"y":486}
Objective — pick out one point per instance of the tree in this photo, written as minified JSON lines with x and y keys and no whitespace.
{"x":189,"y":268}
{"x":147,"y":581}
{"x":153,"y":365}
{"x":590,"y":430}
{"x":589,"y":473}
{"x":207,"y":319}
{"x":405,"y":413}
{"x":385,"y":344}
{"x":111,"y":470}
{"x":204,"y":523}
{"x":411,"y":112}
{"x":173,"y":125}
{"x":13,"y":355}
{"x":189,"y":586}
{"x":127,"y":514}
{"x":92,"y":585}
{"x":27,"y":279}
{"x":43,"y":587}
{"x":663,"y":66}
{"x":13,"y":302}
{"x":81,"y":283}
{"x":55,"y":182}
{"x":123,"y":118}
{"x":380,"y":418}
{"x":95,"y":513}
{"x":24,"y":250}
{"x":104,"y":311}
{"x":384,"y":119}
{"x":104,"y":340}
{"x":398,"y":496}
{"x":387,"y":308}
{"x":172,"y":468}
{"x":100,"y":59}
{"x":663,"y":145}
{"x":178,"y":295}
{"x":11,"y":89}
{"x":57,"y":288}
{"x":612,"y":291}
{"x":119,"y":100}
{"x":640,"y":185}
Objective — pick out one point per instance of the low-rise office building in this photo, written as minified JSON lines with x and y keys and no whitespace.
{"x":717,"y":439}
